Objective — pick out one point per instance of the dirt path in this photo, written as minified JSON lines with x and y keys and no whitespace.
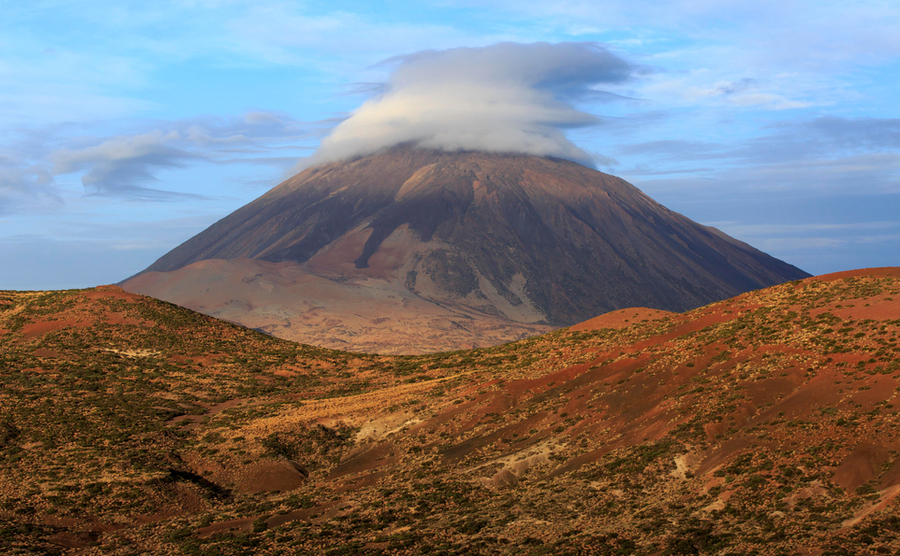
{"x":355,"y":409}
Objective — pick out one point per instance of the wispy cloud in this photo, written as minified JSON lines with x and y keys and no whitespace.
{"x":25,"y":185}
{"x":126,"y":166}
{"x":805,"y":228}
{"x":675,"y":148}
{"x":824,"y":154}
{"x":800,"y":32}
{"x":119,"y":165}
{"x":702,"y":87}
{"x":839,"y":246}
{"x":284,"y":33}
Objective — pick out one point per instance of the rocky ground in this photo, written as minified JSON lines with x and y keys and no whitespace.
{"x":764,"y":424}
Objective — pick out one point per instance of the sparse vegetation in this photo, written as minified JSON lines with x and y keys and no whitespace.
{"x":129,"y":425}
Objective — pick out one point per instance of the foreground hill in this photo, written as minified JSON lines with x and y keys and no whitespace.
{"x":766,"y":423}
{"x":415,"y":250}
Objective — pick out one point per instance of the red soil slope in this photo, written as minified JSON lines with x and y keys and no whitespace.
{"x":761,"y":423}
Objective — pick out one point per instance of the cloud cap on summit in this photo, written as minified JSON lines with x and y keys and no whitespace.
{"x":507,"y":97}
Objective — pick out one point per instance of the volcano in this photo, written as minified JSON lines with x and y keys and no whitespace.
{"x":420,"y":250}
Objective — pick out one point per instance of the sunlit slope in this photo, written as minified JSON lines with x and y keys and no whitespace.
{"x":765,"y":422}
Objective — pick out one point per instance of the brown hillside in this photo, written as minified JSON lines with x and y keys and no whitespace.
{"x":762,"y":423}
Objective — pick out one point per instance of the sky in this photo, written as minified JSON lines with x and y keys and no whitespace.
{"x":128,"y":127}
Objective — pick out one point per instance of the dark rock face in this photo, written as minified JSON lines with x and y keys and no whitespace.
{"x":566,"y":240}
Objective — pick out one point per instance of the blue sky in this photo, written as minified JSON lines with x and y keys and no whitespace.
{"x":127,"y":127}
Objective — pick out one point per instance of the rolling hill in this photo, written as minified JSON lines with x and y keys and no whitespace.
{"x":766,"y":423}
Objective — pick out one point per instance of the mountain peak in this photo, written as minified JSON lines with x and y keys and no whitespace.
{"x":517,"y":237}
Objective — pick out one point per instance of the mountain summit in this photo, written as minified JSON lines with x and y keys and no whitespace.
{"x":518,"y":239}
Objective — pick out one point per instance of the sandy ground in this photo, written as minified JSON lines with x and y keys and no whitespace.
{"x":354,"y":313}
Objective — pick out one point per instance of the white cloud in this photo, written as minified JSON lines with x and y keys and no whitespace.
{"x":506,"y":97}
{"x":767,"y":100}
